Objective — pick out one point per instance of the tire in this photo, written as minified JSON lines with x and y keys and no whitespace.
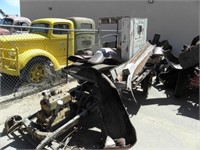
{"x":37,"y":70}
{"x":181,"y":83}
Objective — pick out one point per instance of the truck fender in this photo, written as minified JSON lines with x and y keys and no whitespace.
{"x":25,"y":57}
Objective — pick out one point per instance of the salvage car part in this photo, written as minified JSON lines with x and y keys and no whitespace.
{"x":182,"y":71}
{"x":68,"y":115}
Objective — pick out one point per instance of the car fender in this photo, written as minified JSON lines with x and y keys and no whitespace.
{"x":26,"y":56}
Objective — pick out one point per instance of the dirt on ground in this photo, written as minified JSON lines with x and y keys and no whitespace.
{"x":28,"y":105}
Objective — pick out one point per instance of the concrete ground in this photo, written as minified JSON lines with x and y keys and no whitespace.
{"x":162,"y":122}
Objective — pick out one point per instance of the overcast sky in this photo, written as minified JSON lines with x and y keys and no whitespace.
{"x":11,"y":7}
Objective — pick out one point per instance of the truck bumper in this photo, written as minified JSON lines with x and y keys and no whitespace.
{"x":9,"y":71}
{"x":9,"y":62}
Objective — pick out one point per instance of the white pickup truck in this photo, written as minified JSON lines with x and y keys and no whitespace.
{"x":16,"y":21}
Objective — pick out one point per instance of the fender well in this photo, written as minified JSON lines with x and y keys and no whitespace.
{"x":25,"y":57}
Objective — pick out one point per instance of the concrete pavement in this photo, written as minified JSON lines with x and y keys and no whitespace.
{"x":162,"y":122}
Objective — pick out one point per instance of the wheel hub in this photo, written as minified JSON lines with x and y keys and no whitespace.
{"x":37,"y":73}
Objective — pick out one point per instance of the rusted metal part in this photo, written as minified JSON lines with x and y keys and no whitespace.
{"x":62,"y":129}
{"x":26,"y":123}
{"x":138,"y":61}
{"x":181,"y":70}
{"x":134,"y":65}
{"x":12,"y":123}
{"x":54,"y":112}
{"x":172,"y":60}
{"x":138,"y":66}
{"x":140,"y":77}
{"x":97,"y":98}
{"x":190,"y":57}
{"x":116,"y":121}
{"x":132,"y":69}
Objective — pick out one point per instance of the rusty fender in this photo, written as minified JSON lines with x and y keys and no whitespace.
{"x":114,"y":115}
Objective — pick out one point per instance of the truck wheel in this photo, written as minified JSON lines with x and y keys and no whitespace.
{"x":181,"y":83}
{"x":37,"y":70}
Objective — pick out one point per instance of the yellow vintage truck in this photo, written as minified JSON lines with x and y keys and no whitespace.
{"x":47,"y":45}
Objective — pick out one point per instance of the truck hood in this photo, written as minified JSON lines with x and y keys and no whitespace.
{"x":22,"y":37}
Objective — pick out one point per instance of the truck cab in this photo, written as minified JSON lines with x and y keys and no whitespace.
{"x":47,"y":45}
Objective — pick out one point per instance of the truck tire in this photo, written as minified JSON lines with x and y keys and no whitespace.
{"x":37,"y":71}
{"x":181,"y":83}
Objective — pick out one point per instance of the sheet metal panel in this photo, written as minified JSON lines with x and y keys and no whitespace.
{"x":134,"y":34}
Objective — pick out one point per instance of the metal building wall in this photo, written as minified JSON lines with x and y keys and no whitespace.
{"x":176,"y":20}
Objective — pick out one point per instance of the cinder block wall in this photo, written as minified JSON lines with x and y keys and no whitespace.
{"x":176,"y":20}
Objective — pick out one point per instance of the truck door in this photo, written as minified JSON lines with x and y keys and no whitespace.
{"x":59,"y":42}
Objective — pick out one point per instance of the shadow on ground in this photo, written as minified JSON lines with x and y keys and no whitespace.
{"x":188,"y":103}
{"x":15,"y":142}
{"x":8,"y":84}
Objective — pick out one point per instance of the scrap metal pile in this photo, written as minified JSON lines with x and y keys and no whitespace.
{"x":183,"y":71}
{"x":92,"y":114}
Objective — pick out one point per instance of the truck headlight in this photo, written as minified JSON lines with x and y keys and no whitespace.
{"x":11,"y":53}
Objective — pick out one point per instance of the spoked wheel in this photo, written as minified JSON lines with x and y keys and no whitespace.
{"x":12,"y":123}
{"x":37,"y":71}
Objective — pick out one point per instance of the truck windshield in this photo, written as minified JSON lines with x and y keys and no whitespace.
{"x":39,"y":28}
{"x":6,"y":21}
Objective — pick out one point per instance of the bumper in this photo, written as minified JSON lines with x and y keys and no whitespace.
{"x":9,"y":64}
{"x":6,"y":70}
